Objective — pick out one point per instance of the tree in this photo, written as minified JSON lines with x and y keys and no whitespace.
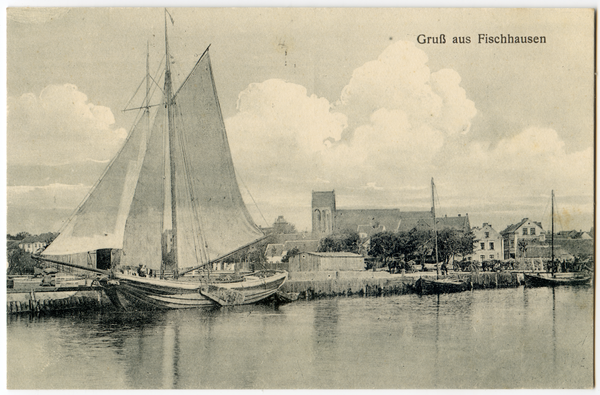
{"x":412,"y":244}
{"x":340,"y":242}
{"x":452,"y":242}
{"x":21,"y":236}
{"x":447,"y":244}
{"x":466,"y":244}
{"x":522,"y":245}
{"x":383,"y":245}
{"x":291,"y":253}
{"x":20,"y":262}
{"x":422,"y":243}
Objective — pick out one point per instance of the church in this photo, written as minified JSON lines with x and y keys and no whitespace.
{"x":328,"y":219}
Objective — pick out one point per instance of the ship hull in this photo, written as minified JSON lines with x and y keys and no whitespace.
{"x":431,"y":287}
{"x":138,"y":293}
{"x":547,"y":280}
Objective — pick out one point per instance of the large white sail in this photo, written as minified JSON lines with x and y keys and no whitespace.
{"x":126,"y":209}
{"x":143,"y":230}
{"x":212,"y":218}
{"x":99,"y":222}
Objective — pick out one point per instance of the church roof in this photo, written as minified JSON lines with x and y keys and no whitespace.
{"x":348,"y":219}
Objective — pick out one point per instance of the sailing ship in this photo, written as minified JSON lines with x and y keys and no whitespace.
{"x":553,"y":278}
{"x":169,"y":203}
{"x":426,"y":286}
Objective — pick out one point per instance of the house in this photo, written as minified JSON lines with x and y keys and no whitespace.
{"x":488,"y":244}
{"x":33,"y":244}
{"x":527,"y":230}
{"x":573,"y":234}
{"x":274,"y":253}
{"x":326,"y":261}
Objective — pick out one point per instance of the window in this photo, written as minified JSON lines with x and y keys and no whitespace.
{"x":482,"y":258}
{"x":487,"y":235}
{"x":492,"y":256}
{"x":524,"y":231}
{"x":491,"y":245}
{"x":482,"y":245}
{"x":532,"y":232}
{"x":512,"y":243}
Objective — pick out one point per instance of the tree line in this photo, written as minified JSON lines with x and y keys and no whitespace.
{"x":20,"y":261}
{"x":414,"y":245}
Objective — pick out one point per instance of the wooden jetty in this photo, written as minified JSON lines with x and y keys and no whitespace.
{"x":332,"y":284}
{"x":38,"y":299}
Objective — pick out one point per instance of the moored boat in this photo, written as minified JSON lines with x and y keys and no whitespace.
{"x":554,"y":278}
{"x":549,"y":279}
{"x":168,"y":204}
{"x":426,"y":286}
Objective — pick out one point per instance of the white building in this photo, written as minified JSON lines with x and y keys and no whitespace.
{"x":488,"y":244}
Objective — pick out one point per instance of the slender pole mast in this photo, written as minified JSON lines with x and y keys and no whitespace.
{"x":553,"y":269}
{"x":169,"y":102}
{"x":437,"y":266}
{"x":148,"y":86}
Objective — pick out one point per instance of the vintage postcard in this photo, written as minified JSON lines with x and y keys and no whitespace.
{"x":300,"y":198}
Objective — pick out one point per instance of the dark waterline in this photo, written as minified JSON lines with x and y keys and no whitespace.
{"x":500,"y":338}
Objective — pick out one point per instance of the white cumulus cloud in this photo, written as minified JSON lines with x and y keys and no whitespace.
{"x":278,"y":127}
{"x":60,"y":126}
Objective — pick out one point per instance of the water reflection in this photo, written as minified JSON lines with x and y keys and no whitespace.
{"x":505,"y":338}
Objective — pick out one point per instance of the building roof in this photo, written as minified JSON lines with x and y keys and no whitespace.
{"x":35,"y":239}
{"x":274,"y":250}
{"x":415,"y":220}
{"x":349,"y":219}
{"x":513,"y":228}
{"x":479,"y":233}
{"x":302,"y":245}
{"x":281,"y":238}
{"x":460,"y":223}
{"x":336,"y":254}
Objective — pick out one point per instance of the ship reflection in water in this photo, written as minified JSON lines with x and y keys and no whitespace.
{"x":505,"y":338}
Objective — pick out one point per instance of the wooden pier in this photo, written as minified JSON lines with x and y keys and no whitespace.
{"x":51,"y":299}
{"x":333,"y":284}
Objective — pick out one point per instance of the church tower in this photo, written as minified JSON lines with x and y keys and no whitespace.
{"x":323,"y":213}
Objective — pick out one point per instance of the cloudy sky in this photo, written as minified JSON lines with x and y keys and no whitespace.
{"x":319,"y":99}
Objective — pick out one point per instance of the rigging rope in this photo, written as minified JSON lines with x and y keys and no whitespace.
{"x":252,"y":197}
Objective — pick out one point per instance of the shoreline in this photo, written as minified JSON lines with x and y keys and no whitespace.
{"x":308,"y":286}
{"x":315,"y":285}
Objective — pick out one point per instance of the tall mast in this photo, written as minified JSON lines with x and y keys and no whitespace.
{"x":434,"y":228}
{"x":169,"y":102}
{"x":147,"y":104}
{"x":553,"y":231}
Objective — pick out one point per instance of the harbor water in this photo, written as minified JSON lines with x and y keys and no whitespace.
{"x":496,"y":338}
